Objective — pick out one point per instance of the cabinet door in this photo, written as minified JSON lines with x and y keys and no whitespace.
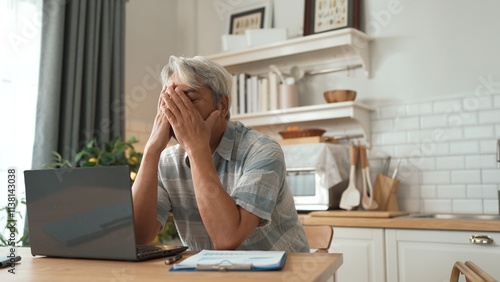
{"x":427,"y":255}
{"x":363,"y":250}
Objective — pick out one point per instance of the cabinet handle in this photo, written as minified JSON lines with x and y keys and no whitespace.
{"x":481,"y":239}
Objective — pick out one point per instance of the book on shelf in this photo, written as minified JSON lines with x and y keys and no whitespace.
{"x":234,"y":94}
{"x":254,"y":93}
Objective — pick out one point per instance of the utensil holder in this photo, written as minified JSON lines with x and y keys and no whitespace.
{"x":385,"y":193}
{"x":288,"y":96}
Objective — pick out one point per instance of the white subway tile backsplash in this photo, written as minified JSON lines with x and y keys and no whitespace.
{"x":488,"y":146}
{"x":490,"y":207}
{"x":393,"y":111}
{"x":428,"y":191}
{"x":382,"y":125}
{"x":450,"y":162}
{"x":479,"y":132}
{"x":447,"y":106}
{"x":466,"y":118}
{"x":433,"y":121}
{"x":474,"y":192}
{"x":466,"y":176}
{"x":467,"y":206}
{"x":408,"y":150}
{"x":436,"y":177}
{"x":422,"y":163}
{"x":425,"y":108}
{"x":437,"y":206}
{"x":406,"y":123}
{"x":451,"y":192}
{"x":475,"y":103}
{"x":490,"y":191}
{"x":390,"y":138}
{"x":480,"y":161}
{"x":412,"y":109}
{"x":465,"y":147}
{"x":490,"y":176}
{"x":489,"y":117}
{"x":496,"y":101}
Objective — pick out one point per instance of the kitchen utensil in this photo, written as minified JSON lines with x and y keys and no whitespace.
{"x":385,"y":189}
{"x":351,"y":196}
{"x":386,"y":165}
{"x":276,"y":70}
{"x":367,"y":201}
{"x":396,"y":170}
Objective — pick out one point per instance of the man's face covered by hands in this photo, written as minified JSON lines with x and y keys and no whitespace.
{"x":201,"y":99}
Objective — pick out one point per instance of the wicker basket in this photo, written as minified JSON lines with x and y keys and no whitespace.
{"x":301,"y":133}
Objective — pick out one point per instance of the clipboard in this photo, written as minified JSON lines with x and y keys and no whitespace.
{"x":208,"y":260}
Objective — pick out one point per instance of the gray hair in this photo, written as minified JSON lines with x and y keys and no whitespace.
{"x":199,"y":71}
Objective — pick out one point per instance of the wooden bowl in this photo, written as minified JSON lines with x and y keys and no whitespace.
{"x":333,"y":96}
{"x":301,"y":133}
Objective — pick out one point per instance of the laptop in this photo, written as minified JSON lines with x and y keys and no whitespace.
{"x":85,"y":212}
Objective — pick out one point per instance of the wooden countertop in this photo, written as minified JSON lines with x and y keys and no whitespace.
{"x":402,"y":222}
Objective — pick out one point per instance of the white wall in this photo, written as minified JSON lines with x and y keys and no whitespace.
{"x":151,"y":33}
{"x":429,"y":59}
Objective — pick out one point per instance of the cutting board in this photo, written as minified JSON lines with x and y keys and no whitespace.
{"x":377,"y":214}
{"x":306,"y":140}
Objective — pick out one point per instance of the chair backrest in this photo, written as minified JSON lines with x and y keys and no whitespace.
{"x":319,"y":237}
{"x":471,"y":271}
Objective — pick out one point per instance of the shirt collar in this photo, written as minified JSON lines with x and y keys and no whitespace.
{"x":226,"y":143}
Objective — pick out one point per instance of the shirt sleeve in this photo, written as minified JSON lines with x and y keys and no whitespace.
{"x":263,"y":177}
{"x":164,"y":206}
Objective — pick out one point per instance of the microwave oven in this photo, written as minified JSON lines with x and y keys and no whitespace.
{"x":309,"y":192}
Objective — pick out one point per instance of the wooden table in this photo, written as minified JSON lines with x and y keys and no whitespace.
{"x":298,"y":267}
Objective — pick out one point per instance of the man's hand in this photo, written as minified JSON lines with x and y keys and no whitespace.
{"x":161,"y":132}
{"x":191,"y":130}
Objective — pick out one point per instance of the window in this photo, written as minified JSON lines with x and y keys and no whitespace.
{"x":20,"y":30}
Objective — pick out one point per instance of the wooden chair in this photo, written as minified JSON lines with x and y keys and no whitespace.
{"x":471,"y":271}
{"x":319,"y":237}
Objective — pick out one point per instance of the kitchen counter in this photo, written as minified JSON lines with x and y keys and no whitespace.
{"x":402,"y":222}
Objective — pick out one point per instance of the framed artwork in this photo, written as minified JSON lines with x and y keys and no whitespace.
{"x":326,"y":15}
{"x":256,"y":16}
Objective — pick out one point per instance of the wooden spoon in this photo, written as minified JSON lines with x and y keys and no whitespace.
{"x":351,"y":196}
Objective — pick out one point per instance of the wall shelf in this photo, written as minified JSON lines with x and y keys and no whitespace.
{"x":342,"y":47}
{"x":339,"y":119}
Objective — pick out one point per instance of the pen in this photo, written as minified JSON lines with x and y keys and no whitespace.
{"x":173,"y":259}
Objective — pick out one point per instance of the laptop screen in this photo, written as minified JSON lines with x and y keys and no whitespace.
{"x":81,"y":212}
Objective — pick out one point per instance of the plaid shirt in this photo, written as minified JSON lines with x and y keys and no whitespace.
{"x":252,"y":170}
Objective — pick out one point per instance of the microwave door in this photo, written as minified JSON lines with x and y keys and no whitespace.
{"x":307,"y":193}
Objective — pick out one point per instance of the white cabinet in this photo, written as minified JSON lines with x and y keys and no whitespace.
{"x":394,"y":255}
{"x":429,"y":255}
{"x":363,"y":251}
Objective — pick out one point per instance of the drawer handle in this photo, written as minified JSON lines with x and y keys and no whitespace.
{"x":481,"y":239}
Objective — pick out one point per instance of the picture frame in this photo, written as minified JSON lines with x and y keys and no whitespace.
{"x":255,"y":16}
{"x":327,"y":15}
